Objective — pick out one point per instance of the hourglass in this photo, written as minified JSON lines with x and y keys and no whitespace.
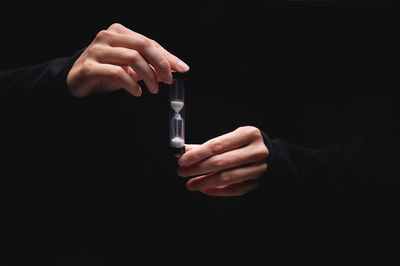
{"x":177,"y":116}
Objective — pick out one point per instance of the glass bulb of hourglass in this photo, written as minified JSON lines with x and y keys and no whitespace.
{"x":177,"y":115}
{"x":177,"y":106}
{"x":177,"y":132}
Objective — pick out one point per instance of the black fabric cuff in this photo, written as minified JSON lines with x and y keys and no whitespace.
{"x":280,"y":168}
{"x":57,"y":72}
{"x":65,"y":71}
{"x":271,"y":157}
{"x":262,"y":188}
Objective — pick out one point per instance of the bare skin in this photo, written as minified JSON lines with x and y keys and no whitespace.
{"x":118,"y":58}
{"x":228,"y":165}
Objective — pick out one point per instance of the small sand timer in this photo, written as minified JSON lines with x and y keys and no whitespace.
{"x":177,"y":115}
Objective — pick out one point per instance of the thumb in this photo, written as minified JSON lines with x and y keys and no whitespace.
{"x":188,"y":147}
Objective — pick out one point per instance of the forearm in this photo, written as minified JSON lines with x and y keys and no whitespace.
{"x":337,"y":162}
{"x":46,"y":80}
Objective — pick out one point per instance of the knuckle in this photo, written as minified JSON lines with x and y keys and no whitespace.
{"x":116,"y":73}
{"x":143,"y":42}
{"x":225,"y":176}
{"x":86,"y":68}
{"x":115,"y":25}
{"x":240,"y":129}
{"x":249,"y":131}
{"x":217,"y":162}
{"x":93,"y":50}
{"x":193,"y":156}
{"x":101,"y":35}
{"x":164,"y":64}
{"x":262,"y":153}
{"x":216,"y":146}
{"x":253,"y":132}
{"x":132,"y":56}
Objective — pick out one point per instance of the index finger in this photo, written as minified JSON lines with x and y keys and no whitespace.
{"x":162,"y":60}
{"x":176,"y":63}
{"x":230,"y":141}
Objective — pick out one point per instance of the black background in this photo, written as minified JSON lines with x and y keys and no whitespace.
{"x":93,"y":178}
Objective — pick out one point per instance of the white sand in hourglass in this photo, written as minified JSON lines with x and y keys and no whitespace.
{"x":177,"y":106}
{"x":177,"y":142}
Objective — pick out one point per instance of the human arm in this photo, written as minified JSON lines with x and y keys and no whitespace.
{"x":40,"y":80}
{"x":238,"y":162}
{"x":117,"y":58}
{"x":228,"y":165}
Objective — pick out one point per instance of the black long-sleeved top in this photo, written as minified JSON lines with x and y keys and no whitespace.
{"x":330,"y":143}
{"x":310,"y":87}
{"x":288,"y":161}
{"x":106,"y":153}
{"x":321,"y":93}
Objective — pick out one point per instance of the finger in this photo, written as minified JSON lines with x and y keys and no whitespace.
{"x":158,"y":78}
{"x":189,"y":147}
{"x":132,"y":73}
{"x":216,"y":163}
{"x":145,"y":46}
{"x":227,"y":160}
{"x":238,"y":189}
{"x":112,"y":78}
{"x":175,"y":63}
{"x":136,"y":76}
{"x":226,"y":142}
{"x":227,"y":177}
{"x":127,"y":57}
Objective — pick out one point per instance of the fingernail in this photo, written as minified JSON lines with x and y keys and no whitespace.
{"x":182,"y":66}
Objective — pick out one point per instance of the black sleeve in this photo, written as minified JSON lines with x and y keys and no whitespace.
{"x":331,"y":163}
{"x":37,"y":82}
